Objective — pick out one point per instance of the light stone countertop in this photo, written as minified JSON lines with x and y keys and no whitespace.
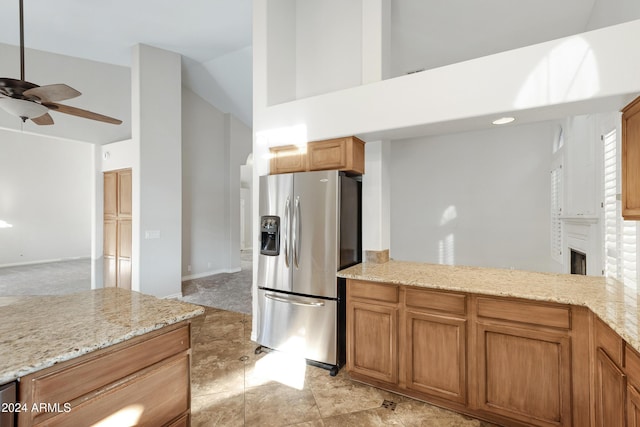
{"x":39,"y":331}
{"x":617,"y":305}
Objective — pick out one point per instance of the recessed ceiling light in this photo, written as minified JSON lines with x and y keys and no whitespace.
{"x":503,"y":120}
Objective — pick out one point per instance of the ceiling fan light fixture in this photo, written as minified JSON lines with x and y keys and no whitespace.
{"x":22,"y":108}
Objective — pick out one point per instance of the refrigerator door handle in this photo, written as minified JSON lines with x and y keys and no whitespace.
{"x":286,"y":232}
{"x":296,"y":233}
{"x":295,"y":301}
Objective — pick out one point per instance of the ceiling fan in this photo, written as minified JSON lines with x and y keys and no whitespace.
{"x":32,"y":102}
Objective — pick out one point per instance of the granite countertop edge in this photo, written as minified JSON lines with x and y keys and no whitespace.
{"x":39,"y":356}
{"x":607,"y":298}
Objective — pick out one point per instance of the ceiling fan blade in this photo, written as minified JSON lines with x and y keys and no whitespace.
{"x":45,"y":119}
{"x":52,"y":93}
{"x":67,"y":109}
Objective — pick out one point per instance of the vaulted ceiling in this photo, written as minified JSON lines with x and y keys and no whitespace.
{"x":214,"y":36}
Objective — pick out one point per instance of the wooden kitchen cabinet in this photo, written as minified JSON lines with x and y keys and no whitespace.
{"x":507,"y":360}
{"x":372,"y":325}
{"x":633,"y":406}
{"x":632,"y":369}
{"x":435,"y":343}
{"x":344,"y":154}
{"x":609,"y":379}
{"x":610,"y":385}
{"x":524,"y":361}
{"x":423,"y":354}
{"x":147,"y":376}
{"x":287,"y":159}
{"x":631,"y":160}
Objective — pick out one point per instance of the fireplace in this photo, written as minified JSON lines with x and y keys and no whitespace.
{"x":578,"y":262}
{"x":581,"y":241}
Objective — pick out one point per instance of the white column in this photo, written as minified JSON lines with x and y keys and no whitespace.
{"x":376,"y":40}
{"x":157,"y":129}
{"x":376,"y":21}
{"x":375,"y":201}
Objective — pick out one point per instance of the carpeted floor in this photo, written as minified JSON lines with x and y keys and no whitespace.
{"x":226,"y":291}
{"x":52,"y":278}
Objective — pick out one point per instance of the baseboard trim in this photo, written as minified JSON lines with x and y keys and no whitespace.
{"x":173,"y":296}
{"x":211,"y":273}
{"x":44,"y":261}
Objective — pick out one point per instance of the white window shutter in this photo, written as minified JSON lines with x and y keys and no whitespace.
{"x":620,"y":236}
{"x":556,"y":212}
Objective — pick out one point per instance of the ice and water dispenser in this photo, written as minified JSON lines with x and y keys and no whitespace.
{"x":270,"y":235}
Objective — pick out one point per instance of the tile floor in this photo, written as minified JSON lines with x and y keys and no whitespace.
{"x":232,"y":386}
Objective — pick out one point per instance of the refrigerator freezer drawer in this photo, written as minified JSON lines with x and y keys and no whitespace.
{"x":304,"y":326}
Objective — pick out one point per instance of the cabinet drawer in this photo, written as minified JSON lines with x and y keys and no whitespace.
{"x":71,"y":382}
{"x":154,"y":398}
{"x":516,"y":311}
{"x":609,"y":341}
{"x":372,"y":291}
{"x":439,"y":301}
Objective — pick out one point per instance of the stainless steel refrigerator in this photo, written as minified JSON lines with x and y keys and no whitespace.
{"x":310,"y":227}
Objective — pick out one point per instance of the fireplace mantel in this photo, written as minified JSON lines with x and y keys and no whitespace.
{"x":582,"y":233}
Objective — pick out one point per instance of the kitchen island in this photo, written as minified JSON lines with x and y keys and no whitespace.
{"x":513,"y":347}
{"x":85,"y":356}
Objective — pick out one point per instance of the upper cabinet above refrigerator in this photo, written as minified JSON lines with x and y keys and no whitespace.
{"x":342,"y":154}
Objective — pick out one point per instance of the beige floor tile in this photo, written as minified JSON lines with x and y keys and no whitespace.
{"x":370,"y":418}
{"x":217,"y":350}
{"x":217,"y":377}
{"x":349,"y":398}
{"x":232,"y":386}
{"x":279,"y":405}
{"x":314,"y":423}
{"x":413,"y":413}
{"x":219,"y":409}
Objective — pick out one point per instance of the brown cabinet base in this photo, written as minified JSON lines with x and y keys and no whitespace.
{"x":505,"y":360}
{"x":145,"y":380}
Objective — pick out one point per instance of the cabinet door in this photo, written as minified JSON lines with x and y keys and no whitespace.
{"x":287,"y":159}
{"x":372,"y":340}
{"x":124,"y":254}
{"x":110,"y":242}
{"x":337,"y":154}
{"x":610,"y":392}
{"x":524,"y":374}
{"x":630,"y":160}
{"x":633,"y":407}
{"x":124,"y":193}
{"x":110,"y":194}
{"x":436,"y":355}
{"x":330,"y":154}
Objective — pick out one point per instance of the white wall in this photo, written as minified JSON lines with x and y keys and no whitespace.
{"x":214,"y":145}
{"x":46,"y":193}
{"x":476,"y":198}
{"x":574,"y":75}
{"x":610,"y":12}
{"x":240,"y":142}
{"x":157,"y":127}
{"x":328,"y":46}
